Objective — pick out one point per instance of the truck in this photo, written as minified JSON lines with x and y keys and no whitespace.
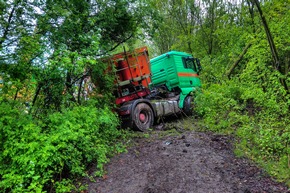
{"x":147,"y":90}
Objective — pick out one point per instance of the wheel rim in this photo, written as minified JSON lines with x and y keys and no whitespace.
{"x":142,"y":117}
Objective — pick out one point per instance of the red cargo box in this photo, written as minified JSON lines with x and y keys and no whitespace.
{"x":132,"y":67}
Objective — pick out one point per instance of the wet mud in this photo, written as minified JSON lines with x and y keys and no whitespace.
{"x":186,"y":162}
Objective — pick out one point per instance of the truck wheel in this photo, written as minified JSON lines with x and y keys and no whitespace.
{"x":188,"y":106}
{"x":142,"y":117}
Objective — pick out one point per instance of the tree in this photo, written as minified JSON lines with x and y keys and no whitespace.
{"x":277,"y":63}
{"x":48,"y":49}
{"x":57,"y":42}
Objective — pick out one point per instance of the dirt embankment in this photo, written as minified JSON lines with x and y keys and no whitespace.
{"x":187,"y":162}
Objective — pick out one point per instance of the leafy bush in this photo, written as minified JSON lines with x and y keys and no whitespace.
{"x":259,"y":120}
{"x":221,"y":105}
{"x":44,"y":154}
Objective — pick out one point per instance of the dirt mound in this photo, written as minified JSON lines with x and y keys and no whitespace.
{"x":189,"y":162}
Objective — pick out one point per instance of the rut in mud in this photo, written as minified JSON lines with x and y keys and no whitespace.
{"x":187,"y":162}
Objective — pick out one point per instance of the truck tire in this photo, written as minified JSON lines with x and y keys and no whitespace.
{"x":188,"y":106}
{"x":142,"y":117}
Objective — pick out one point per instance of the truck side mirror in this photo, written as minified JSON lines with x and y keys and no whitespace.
{"x":199,"y":68}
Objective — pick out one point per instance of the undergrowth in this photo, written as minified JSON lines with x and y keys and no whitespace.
{"x":258,"y":119}
{"x":45,"y":155}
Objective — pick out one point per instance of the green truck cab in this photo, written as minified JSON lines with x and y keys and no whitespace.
{"x":178,"y":71}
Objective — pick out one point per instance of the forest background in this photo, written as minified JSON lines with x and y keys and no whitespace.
{"x":50,"y":133}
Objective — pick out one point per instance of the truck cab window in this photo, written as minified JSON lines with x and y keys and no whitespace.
{"x":189,"y":63}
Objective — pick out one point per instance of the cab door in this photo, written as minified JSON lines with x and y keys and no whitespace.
{"x":189,"y":74}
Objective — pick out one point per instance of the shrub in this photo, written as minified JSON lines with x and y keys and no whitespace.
{"x":259,"y":120}
{"x":37,"y":155}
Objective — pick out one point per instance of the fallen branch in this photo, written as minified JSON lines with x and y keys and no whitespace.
{"x":230,"y":71}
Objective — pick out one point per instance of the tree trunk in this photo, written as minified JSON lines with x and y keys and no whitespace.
{"x":230,"y":71}
{"x":6,"y":30}
{"x":80,"y":90}
{"x":274,"y":52}
{"x":16,"y":93}
{"x":39,"y":86}
{"x":69,"y":87}
{"x":269,"y":36}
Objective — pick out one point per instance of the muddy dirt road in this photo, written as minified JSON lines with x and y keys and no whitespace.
{"x":187,"y":162}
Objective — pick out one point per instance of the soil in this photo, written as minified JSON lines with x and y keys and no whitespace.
{"x":183,"y":162}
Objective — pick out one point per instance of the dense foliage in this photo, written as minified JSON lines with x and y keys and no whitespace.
{"x":56,"y":100}
{"x":46,"y":154}
{"x":244,"y":49}
{"x":55,"y":97}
